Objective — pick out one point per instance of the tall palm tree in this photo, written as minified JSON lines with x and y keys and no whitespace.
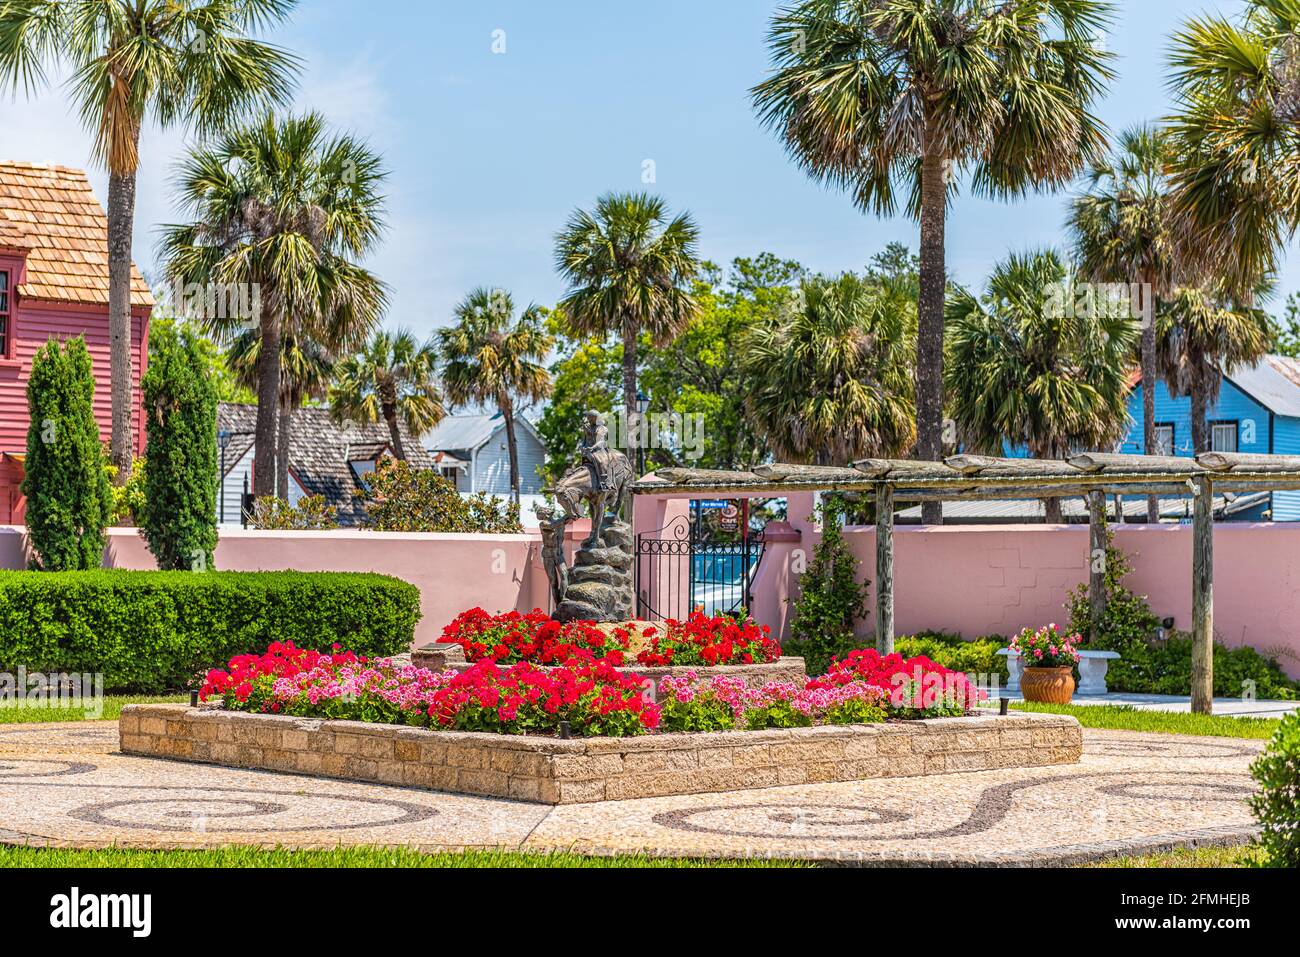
{"x":489,"y":356}
{"x":1024,"y":372}
{"x":1121,"y":234}
{"x":1201,"y":337}
{"x":629,"y":269}
{"x":832,"y":378}
{"x":186,"y":63}
{"x":288,"y":208}
{"x":306,"y":372}
{"x":1236,"y":174}
{"x":902,"y":95}
{"x":391,"y":378}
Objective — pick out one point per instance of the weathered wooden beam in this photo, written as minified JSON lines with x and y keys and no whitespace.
{"x":1203,"y":598}
{"x":1133,"y":464}
{"x":986,"y":466}
{"x":808,"y":473}
{"x":885,"y":571}
{"x":1096,"y":561}
{"x":895,"y":468}
{"x":683,"y":476}
{"x":1229,"y":462}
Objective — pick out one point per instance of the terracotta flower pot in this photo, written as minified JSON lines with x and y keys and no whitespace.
{"x":1047,"y":685}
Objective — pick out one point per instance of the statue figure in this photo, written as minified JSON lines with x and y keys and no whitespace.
{"x":601,"y":480}
{"x":552,"y":529}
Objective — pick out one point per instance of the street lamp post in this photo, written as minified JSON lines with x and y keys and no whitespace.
{"x":642,"y":406}
{"x":223,"y":440}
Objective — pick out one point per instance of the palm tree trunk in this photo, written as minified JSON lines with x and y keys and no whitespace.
{"x":394,"y":433}
{"x":929,"y":339}
{"x":268,"y":406}
{"x":121,"y":221}
{"x":1200,"y":414}
{"x":1148,"y":347}
{"x":282,"y":449}
{"x":508,"y":413}
{"x":1052,"y":511}
{"x":629,"y":374}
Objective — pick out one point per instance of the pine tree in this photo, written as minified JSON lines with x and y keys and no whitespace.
{"x":179,"y":518}
{"x":69,"y":498}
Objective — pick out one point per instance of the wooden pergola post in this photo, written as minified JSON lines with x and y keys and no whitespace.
{"x":1096,"y":561}
{"x":1203,"y":596}
{"x":885,"y":569}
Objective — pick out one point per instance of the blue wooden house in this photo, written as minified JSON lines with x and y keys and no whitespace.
{"x":1258,"y":410}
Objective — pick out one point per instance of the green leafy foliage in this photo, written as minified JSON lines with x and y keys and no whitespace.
{"x":978,"y":656}
{"x":403,"y":499}
{"x":154,"y":631}
{"x":1277,"y":803}
{"x":832,"y":596}
{"x":128,"y":499}
{"x":1149,"y":666}
{"x":179,"y":514}
{"x":310,"y":514}
{"x":69,"y":498}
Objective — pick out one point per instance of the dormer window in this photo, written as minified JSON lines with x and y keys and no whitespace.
{"x":6,"y":324}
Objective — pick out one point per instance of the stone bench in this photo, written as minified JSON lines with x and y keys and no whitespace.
{"x":1093,"y":666}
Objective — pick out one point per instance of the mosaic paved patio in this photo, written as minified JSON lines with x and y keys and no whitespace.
{"x":66,"y":785}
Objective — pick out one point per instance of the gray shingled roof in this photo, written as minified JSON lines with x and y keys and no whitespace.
{"x":320,"y":451}
{"x":1273,"y":382}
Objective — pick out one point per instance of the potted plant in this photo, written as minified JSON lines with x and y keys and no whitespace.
{"x":1049,"y":658}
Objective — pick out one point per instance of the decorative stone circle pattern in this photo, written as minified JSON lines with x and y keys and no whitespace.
{"x":552,"y":771}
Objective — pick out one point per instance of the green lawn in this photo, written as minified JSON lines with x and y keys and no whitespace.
{"x":1126,"y":718}
{"x":1190,"y":857}
{"x":340,"y":857}
{"x":113,"y":704}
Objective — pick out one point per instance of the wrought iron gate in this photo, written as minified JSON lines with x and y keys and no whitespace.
{"x":682,"y":566}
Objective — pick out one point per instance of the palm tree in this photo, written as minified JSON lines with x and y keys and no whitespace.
{"x":489,"y":356}
{"x":1200,"y":338}
{"x":391,"y":378}
{"x":287,"y":209}
{"x":186,"y":63}
{"x":901,"y":95}
{"x":306,"y":371}
{"x":832,"y":378}
{"x":1121,"y":235}
{"x":1236,"y":173}
{"x":629,"y":270}
{"x":1022,"y":372}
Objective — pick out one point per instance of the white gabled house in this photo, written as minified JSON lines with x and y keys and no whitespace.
{"x":471,"y":451}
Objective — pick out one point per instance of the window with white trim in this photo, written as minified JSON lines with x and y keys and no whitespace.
{"x":1223,"y":437}
{"x":1164,"y":439}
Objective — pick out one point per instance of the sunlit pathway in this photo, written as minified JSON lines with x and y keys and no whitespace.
{"x":67,"y":785}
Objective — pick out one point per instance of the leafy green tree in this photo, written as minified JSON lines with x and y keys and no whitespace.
{"x":1029,"y":368}
{"x":831,"y":595}
{"x":69,"y":496}
{"x":216,"y":365}
{"x":900,"y":96}
{"x":830,"y":380}
{"x":179,"y":516}
{"x":1122,"y":234}
{"x":1286,"y":333}
{"x":392,"y":378}
{"x":403,"y":499}
{"x":1235,"y":176}
{"x":629,"y":269}
{"x":586,"y":376}
{"x":176,"y":63}
{"x":1200,"y":337}
{"x":284,"y":207}
{"x":491,"y":357}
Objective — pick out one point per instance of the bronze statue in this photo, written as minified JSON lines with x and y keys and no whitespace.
{"x":601,"y":480}
{"x":552,"y":528}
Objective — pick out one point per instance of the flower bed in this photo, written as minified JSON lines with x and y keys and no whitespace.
{"x":918,"y":687}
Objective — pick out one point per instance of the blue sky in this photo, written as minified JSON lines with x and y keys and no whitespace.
{"x":489,"y":152}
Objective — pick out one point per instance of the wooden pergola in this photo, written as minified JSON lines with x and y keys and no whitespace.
{"x":1093,"y":475}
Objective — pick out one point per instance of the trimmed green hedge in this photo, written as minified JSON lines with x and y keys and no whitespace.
{"x":153,"y":631}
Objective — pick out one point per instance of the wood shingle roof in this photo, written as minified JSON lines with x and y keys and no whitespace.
{"x":52,"y":213}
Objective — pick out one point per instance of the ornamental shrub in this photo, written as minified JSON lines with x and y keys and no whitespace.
{"x":153,"y":631}
{"x":179,"y":515}
{"x":1277,"y":802}
{"x":69,"y":497}
{"x":979,"y":656}
{"x":310,"y":514}
{"x":831,"y":595}
{"x":403,"y":499}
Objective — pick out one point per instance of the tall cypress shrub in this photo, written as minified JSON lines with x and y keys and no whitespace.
{"x":69,"y":499}
{"x":179,"y":517}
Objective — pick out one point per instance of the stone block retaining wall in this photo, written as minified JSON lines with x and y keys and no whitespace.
{"x":552,"y":771}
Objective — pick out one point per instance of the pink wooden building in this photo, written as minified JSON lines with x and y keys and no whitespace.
{"x":54,"y":284}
